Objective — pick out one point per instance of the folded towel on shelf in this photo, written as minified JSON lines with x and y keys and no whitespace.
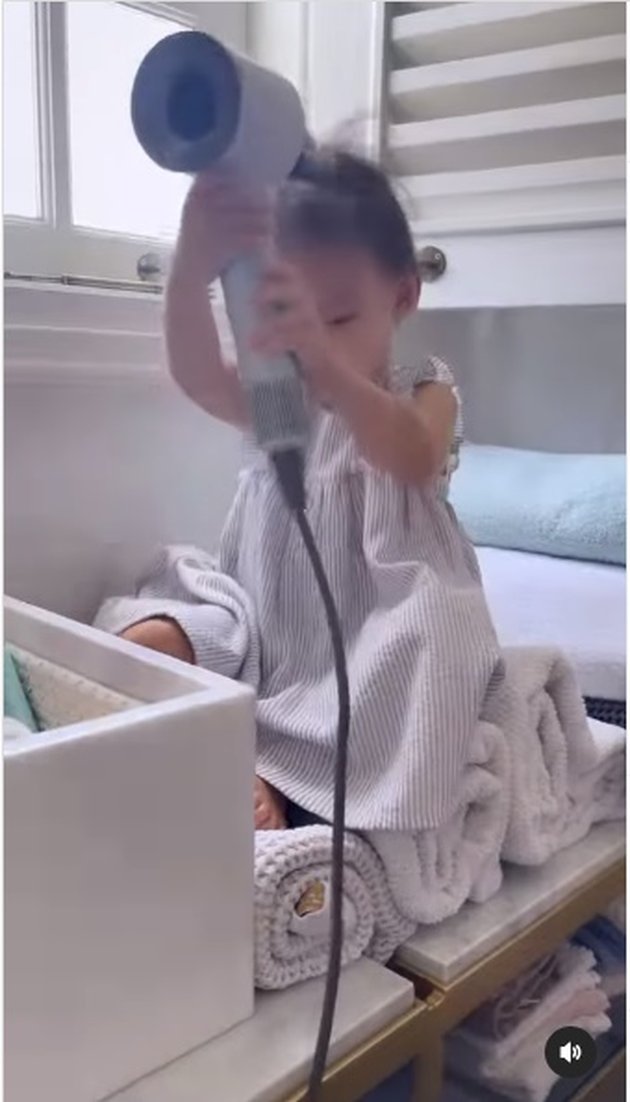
{"x":614,"y":983}
{"x":17,"y":704}
{"x":502,"y":1045}
{"x":567,"y":771}
{"x":524,"y":1075}
{"x":292,"y":871}
{"x":12,"y":729}
{"x":605,"y":940}
{"x":60,"y":696}
{"x":616,"y":912}
{"x":433,"y":872}
{"x":608,"y":943}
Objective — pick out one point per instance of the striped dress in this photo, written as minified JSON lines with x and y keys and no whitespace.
{"x":420,"y":646}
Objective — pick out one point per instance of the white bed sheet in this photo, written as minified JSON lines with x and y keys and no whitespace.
{"x":579,"y":607}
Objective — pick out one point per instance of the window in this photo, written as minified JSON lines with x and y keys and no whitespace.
{"x":114,"y":185}
{"x":508,"y":115}
{"x":21,"y":168}
{"x":81,"y":197}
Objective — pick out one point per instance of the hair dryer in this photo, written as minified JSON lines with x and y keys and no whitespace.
{"x":195,"y":105}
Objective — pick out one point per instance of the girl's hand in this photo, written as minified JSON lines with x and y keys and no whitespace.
{"x":219,"y":223}
{"x":289,"y":321}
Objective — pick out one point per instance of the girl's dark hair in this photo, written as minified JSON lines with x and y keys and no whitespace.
{"x":342,"y":199}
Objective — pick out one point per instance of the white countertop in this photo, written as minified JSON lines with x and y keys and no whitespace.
{"x":267,"y":1057}
{"x":444,"y":951}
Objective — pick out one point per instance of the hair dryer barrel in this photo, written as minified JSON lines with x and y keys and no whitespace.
{"x":195,"y":105}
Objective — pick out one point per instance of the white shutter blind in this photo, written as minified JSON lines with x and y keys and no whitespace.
{"x":508,"y":115}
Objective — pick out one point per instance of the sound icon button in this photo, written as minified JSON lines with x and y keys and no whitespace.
{"x":571,"y":1052}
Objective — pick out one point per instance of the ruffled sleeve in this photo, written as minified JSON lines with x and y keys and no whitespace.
{"x":406,"y":380}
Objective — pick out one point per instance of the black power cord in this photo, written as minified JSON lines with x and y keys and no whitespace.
{"x":289,"y":468}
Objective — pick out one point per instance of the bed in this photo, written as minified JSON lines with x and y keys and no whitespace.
{"x":577,"y":606}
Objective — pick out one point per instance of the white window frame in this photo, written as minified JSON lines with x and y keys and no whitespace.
{"x":291,"y":37}
{"x":50,"y":246}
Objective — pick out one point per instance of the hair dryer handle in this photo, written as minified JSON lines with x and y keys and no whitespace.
{"x":272,"y":386}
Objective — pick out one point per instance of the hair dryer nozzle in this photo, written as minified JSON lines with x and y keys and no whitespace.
{"x":195,"y":104}
{"x":185,"y":102}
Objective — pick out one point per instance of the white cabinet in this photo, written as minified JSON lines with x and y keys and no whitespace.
{"x":129,"y":919}
{"x":553,"y":267}
{"x":504,"y":123}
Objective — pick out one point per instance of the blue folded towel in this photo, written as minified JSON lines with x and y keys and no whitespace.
{"x":16,"y":702}
{"x":602,"y":937}
{"x":571,"y":506}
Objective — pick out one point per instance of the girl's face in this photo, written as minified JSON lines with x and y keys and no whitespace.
{"x":359,"y":303}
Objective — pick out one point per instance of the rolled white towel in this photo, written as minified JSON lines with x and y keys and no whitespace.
{"x":564,"y":776}
{"x":433,"y":872}
{"x":599,"y":793}
{"x":292,"y":873}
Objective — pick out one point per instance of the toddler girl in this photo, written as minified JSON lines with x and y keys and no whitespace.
{"x":420,"y":646}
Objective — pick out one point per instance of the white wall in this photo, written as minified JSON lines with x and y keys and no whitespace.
{"x":546,"y":378}
{"x":104,"y":458}
{"x":333,"y":53}
{"x":276,"y":38}
{"x":227,"y":19}
{"x":99,"y":472}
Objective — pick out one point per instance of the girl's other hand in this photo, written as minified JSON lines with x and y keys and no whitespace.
{"x":289,"y":322}
{"x":219,"y":223}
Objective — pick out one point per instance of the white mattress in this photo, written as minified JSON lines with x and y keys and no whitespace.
{"x":579,"y":607}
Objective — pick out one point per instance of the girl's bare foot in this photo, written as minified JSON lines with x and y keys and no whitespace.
{"x":269,"y":807}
